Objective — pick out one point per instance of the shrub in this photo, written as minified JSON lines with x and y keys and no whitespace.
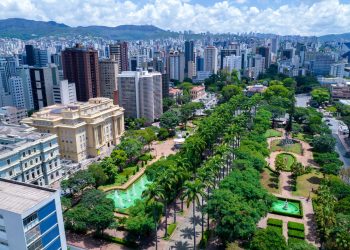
{"x":120,"y":241}
{"x":274,"y":222}
{"x":171,"y":229}
{"x":277,"y":229}
{"x":296,"y":226}
{"x":296,"y":234}
{"x":204,"y":241}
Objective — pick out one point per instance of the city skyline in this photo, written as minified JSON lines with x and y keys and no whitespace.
{"x":278,"y":17}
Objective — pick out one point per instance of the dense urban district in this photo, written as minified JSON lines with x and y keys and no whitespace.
{"x":215,"y":142}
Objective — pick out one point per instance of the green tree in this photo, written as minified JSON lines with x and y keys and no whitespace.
{"x":267,"y":239}
{"x":119,"y":158}
{"x":163,"y":134}
{"x":230,"y":90}
{"x":296,"y":244}
{"x":323,"y":143}
{"x":320,"y":95}
{"x":132,"y":147}
{"x":109,"y":169}
{"x":99,"y":175}
{"x":76,"y":219}
{"x":168,"y":102}
{"x":80,"y":181}
{"x":169,"y":120}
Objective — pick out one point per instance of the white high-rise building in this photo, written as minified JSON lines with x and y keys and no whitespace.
{"x":211,"y":59}
{"x":65,"y":92}
{"x":30,"y":217}
{"x":109,"y":78}
{"x":176,"y":66}
{"x":337,"y":70}
{"x":23,"y":72}
{"x":140,"y":94}
{"x":17,"y":92}
{"x":12,"y":115}
{"x":232,"y":62}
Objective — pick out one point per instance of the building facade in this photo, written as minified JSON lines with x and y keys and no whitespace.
{"x":64,"y":92}
{"x":29,"y":156}
{"x":83,"y":129}
{"x":108,"y":78}
{"x":120,"y":53}
{"x":211,"y":59}
{"x":12,"y":115}
{"x":30,"y":217}
{"x":176,"y":66}
{"x":140,"y":94}
{"x":80,"y":65}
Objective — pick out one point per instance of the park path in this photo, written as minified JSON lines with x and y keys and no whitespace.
{"x":286,"y":192}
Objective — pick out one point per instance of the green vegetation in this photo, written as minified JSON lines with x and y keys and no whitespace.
{"x":274,"y":222}
{"x":296,"y":234}
{"x":267,"y":239}
{"x":171,"y":229}
{"x":296,"y":226}
{"x":284,"y":162}
{"x":277,"y":229}
{"x":306,"y":183}
{"x":270,"y":181}
{"x":272,"y":133}
{"x":319,"y":96}
{"x":294,"y":148}
{"x":120,"y":241}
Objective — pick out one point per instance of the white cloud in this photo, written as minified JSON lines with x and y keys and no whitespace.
{"x":322,"y":17}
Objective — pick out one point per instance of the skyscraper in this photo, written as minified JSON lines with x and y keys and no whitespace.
{"x":23,"y":72}
{"x":211,"y":59}
{"x":43,"y":80}
{"x":30,"y":54}
{"x":176,"y":66}
{"x":80,"y":65}
{"x":265,"y":52}
{"x":108,"y":78}
{"x":189,"y":55}
{"x":140,"y":94}
{"x":120,"y":51}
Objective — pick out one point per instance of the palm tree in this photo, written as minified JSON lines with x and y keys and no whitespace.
{"x":192,"y":191}
{"x":168,"y":181}
{"x":206,"y":176}
{"x":154,"y":195}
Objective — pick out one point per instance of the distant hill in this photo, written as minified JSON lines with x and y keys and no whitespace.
{"x":28,"y":29}
{"x":335,"y":37}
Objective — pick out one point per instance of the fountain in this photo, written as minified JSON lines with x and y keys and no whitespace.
{"x":287,"y":139}
{"x":287,"y":207}
{"x":126,"y":198}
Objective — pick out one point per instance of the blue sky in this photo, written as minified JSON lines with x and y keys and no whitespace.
{"x":285,"y":17}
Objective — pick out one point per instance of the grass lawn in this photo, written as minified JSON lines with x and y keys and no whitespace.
{"x":272,"y":133}
{"x":287,"y":159}
{"x":307,"y":182}
{"x":294,"y":148}
{"x":270,"y":181}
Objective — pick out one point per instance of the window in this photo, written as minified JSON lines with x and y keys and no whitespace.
{"x":8,"y":161}
{"x":25,"y":164}
{"x":31,"y":162}
{"x":29,"y":152}
{"x":10,"y":173}
{"x":50,"y":143}
{"x":24,"y":154}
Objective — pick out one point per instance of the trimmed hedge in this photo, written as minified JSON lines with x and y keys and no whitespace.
{"x":296,"y":234}
{"x":120,"y":241}
{"x":296,"y":226}
{"x":171,"y":229}
{"x":274,"y":222}
{"x":277,"y":229}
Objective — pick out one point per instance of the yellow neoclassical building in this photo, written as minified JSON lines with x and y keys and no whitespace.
{"x":84,"y":129}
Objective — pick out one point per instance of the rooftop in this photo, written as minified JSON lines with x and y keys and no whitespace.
{"x":18,"y":197}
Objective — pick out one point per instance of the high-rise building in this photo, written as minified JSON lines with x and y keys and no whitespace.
{"x":64,"y":92}
{"x":84,"y":129}
{"x":120,"y":51}
{"x":189,"y":55}
{"x":17,"y":92}
{"x":232,"y":63}
{"x":43,"y":79}
{"x":12,"y":115}
{"x":176,"y":66}
{"x":211,"y":59}
{"x":227,"y":52}
{"x":23,"y":72}
{"x":29,"y":156}
{"x":42,"y":57}
{"x":109,"y":78}
{"x":30,"y":54}
{"x":337,"y":70}
{"x":80,"y":65}
{"x":30,"y":217}
{"x":265,"y":52}
{"x":140,"y":94}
